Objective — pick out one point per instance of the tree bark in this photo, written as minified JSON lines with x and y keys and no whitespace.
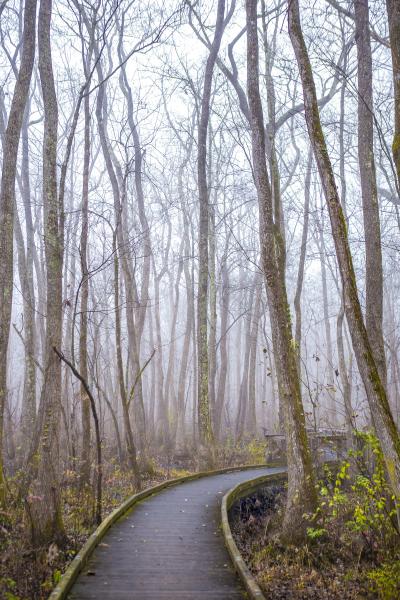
{"x":121,"y":378}
{"x":83,"y":331}
{"x":46,"y":509}
{"x":7,"y":203}
{"x":223,"y":343}
{"x":302,"y":260}
{"x":393,"y":11}
{"x":244,"y":382}
{"x":205,"y":426}
{"x":251,"y":417}
{"x":369,"y":193}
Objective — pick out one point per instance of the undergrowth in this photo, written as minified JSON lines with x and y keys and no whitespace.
{"x":352,"y":548}
{"x":30,"y":573}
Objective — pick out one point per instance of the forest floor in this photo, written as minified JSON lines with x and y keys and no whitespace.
{"x":337,"y":564}
{"x":30,"y":573}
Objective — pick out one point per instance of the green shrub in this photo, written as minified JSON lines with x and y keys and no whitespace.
{"x":364,"y":504}
{"x":385,"y":580}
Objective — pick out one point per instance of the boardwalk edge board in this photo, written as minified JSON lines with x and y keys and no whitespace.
{"x":242,"y":490}
{"x":66,"y":582}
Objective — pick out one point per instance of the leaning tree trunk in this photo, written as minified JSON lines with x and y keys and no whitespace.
{"x":301,"y":482}
{"x":7,"y":203}
{"x":380,"y":411}
{"x":369,"y":192}
{"x":45,"y":510}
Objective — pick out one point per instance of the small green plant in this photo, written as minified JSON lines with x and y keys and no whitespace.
{"x":364,"y":504}
{"x":338,"y":497}
{"x":385,"y":580}
{"x":375,"y":508}
{"x":7,"y":586}
{"x":57,"y":576}
{"x":315,"y":533}
{"x":256,"y":450}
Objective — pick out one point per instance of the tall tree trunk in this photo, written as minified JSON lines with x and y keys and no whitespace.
{"x":140,"y":198}
{"x":302,"y":259}
{"x":28,"y":410}
{"x":162,"y":427}
{"x":212,"y":338}
{"x":162,"y":413}
{"x":46,"y":509}
{"x":143,"y":300}
{"x":251,"y":417}
{"x":344,"y":372}
{"x":393,"y":11}
{"x":366,"y":160}
{"x":132,"y":457}
{"x":223,"y":344}
{"x":344,"y":377}
{"x":180,"y":432}
{"x":83,"y":331}
{"x":7,"y":203}
{"x":205,"y":426}
{"x":330,"y":407}
{"x":244,"y":383}
{"x":380,"y":411}
{"x":169,"y":394}
{"x":120,"y":246}
{"x":301,"y":483}
{"x":25,"y":272}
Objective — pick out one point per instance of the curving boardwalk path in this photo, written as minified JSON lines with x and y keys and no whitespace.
{"x":168,"y":547}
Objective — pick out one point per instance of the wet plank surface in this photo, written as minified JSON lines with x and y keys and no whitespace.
{"x":168,"y":547}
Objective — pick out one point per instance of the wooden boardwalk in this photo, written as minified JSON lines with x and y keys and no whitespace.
{"x":168,"y":547}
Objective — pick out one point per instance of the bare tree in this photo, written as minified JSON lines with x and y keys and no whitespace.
{"x":393,"y":11}
{"x":47,"y":523}
{"x":369,"y":192}
{"x":301,"y":485}
{"x":7,"y":203}
{"x":204,"y":414}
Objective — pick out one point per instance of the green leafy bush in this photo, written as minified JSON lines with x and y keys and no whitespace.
{"x":385,"y":580}
{"x":363,"y":502}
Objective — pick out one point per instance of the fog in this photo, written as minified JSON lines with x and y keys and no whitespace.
{"x":119,"y":238}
